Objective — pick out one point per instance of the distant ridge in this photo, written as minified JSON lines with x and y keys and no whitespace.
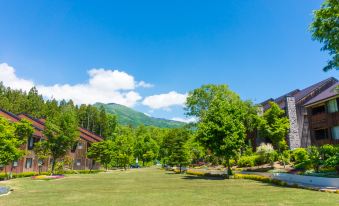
{"x":128,"y":116}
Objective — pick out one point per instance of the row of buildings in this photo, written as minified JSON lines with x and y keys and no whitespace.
{"x":313,"y":113}
{"x":30,"y":162}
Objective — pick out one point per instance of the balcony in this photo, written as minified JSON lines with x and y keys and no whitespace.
{"x":324,"y":120}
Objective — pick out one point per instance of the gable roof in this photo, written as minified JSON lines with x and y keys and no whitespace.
{"x":318,"y":86}
{"x":303,"y":95}
{"x":325,"y":95}
{"x":9,"y":115}
{"x":40,"y":124}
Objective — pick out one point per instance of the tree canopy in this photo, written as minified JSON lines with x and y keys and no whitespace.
{"x":325,"y":29}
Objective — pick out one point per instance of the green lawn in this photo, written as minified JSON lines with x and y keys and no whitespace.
{"x":152,"y":186}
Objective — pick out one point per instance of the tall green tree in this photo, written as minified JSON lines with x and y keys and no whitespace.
{"x":102,"y":152}
{"x":222,"y":117}
{"x":275,"y":126}
{"x":35,"y":103}
{"x":42,"y":152}
{"x":146,"y":148}
{"x":62,"y":133}
{"x":325,"y":29}
{"x":124,"y":147}
{"x":12,"y":137}
{"x":179,"y":152}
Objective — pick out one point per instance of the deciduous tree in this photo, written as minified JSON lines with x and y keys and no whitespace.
{"x":325,"y":29}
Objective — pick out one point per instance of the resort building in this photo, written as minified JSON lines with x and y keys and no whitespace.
{"x":313,"y":114}
{"x":323,"y":116}
{"x":30,"y":162}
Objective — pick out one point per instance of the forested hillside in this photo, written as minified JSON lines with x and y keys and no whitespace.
{"x":128,"y":116}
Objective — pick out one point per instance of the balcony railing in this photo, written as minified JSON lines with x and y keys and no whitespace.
{"x":324,"y":120}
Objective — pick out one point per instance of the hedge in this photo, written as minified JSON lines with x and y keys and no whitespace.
{"x":4,"y":176}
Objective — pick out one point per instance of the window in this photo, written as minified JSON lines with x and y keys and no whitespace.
{"x":332,"y":106}
{"x":15,"y":163}
{"x":78,"y":162}
{"x":40,"y":162}
{"x":335,"y":133}
{"x":318,"y":110}
{"x":320,"y":134}
{"x":30,"y":143}
{"x":28,"y":163}
{"x":80,"y":145}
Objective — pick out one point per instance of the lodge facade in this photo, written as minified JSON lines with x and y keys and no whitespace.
{"x":31,"y":163}
{"x":313,"y":113}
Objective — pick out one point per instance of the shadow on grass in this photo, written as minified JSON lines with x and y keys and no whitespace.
{"x":172,"y":173}
{"x":190,"y":177}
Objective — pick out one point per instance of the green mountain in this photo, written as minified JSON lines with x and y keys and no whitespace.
{"x":128,"y":116}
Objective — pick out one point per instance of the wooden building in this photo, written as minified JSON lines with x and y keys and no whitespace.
{"x":323,"y":116}
{"x":297,"y":105}
{"x":30,"y":163}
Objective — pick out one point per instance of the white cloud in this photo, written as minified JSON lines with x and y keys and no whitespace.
{"x":110,"y":80}
{"x":9,"y":78}
{"x":186,"y":120}
{"x":144,"y":84}
{"x":164,"y":101}
{"x":104,"y":86}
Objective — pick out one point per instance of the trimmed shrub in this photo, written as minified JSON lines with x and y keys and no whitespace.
{"x":327,"y":151}
{"x":333,"y":162}
{"x":300,"y":155}
{"x":260,"y":178}
{"x":248,"y":161}
{"x":206,"y":174}
{"x":3,"y":176}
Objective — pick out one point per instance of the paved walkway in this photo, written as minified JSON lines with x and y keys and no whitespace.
{"x":321,"y":183}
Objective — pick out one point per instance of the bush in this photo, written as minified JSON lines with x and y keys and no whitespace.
{"x":260,"y":178}
{"x":266,"y":153}
{"x":327,"y":151}
{"x":285,"y":157}
{"x":206,"y":174}
{"x":314,"y":157}
{"x":333,"y":162}
{"x":303,"y":165}
{"x":248,"y":161}
{"x":299,"y":155}
{"x":3,"y":176}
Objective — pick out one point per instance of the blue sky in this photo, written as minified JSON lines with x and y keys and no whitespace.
{"x":260,"y":48}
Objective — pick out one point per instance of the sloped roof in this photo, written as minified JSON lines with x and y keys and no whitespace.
{"x":84,"y":134}
{"x":327,"y":94}
{"x":301,"y":95}
{"x":9,"y":115}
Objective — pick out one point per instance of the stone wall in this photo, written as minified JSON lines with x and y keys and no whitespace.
{"x":293,"y":137}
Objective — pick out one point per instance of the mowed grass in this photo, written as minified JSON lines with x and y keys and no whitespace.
{"x":153,"y":186}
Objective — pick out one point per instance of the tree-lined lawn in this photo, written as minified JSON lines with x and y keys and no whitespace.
{"x":152,"y":186}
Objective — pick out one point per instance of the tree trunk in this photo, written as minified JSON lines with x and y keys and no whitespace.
{"x":40,"y":168}
{"x":180,"y":168}
{"x":92,"y":165}
{"x":229,"y":171}
{"x":53,"y":166}
{"x":11,"y":172}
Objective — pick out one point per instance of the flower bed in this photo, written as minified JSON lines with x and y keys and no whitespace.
{"x":46,"y":177}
